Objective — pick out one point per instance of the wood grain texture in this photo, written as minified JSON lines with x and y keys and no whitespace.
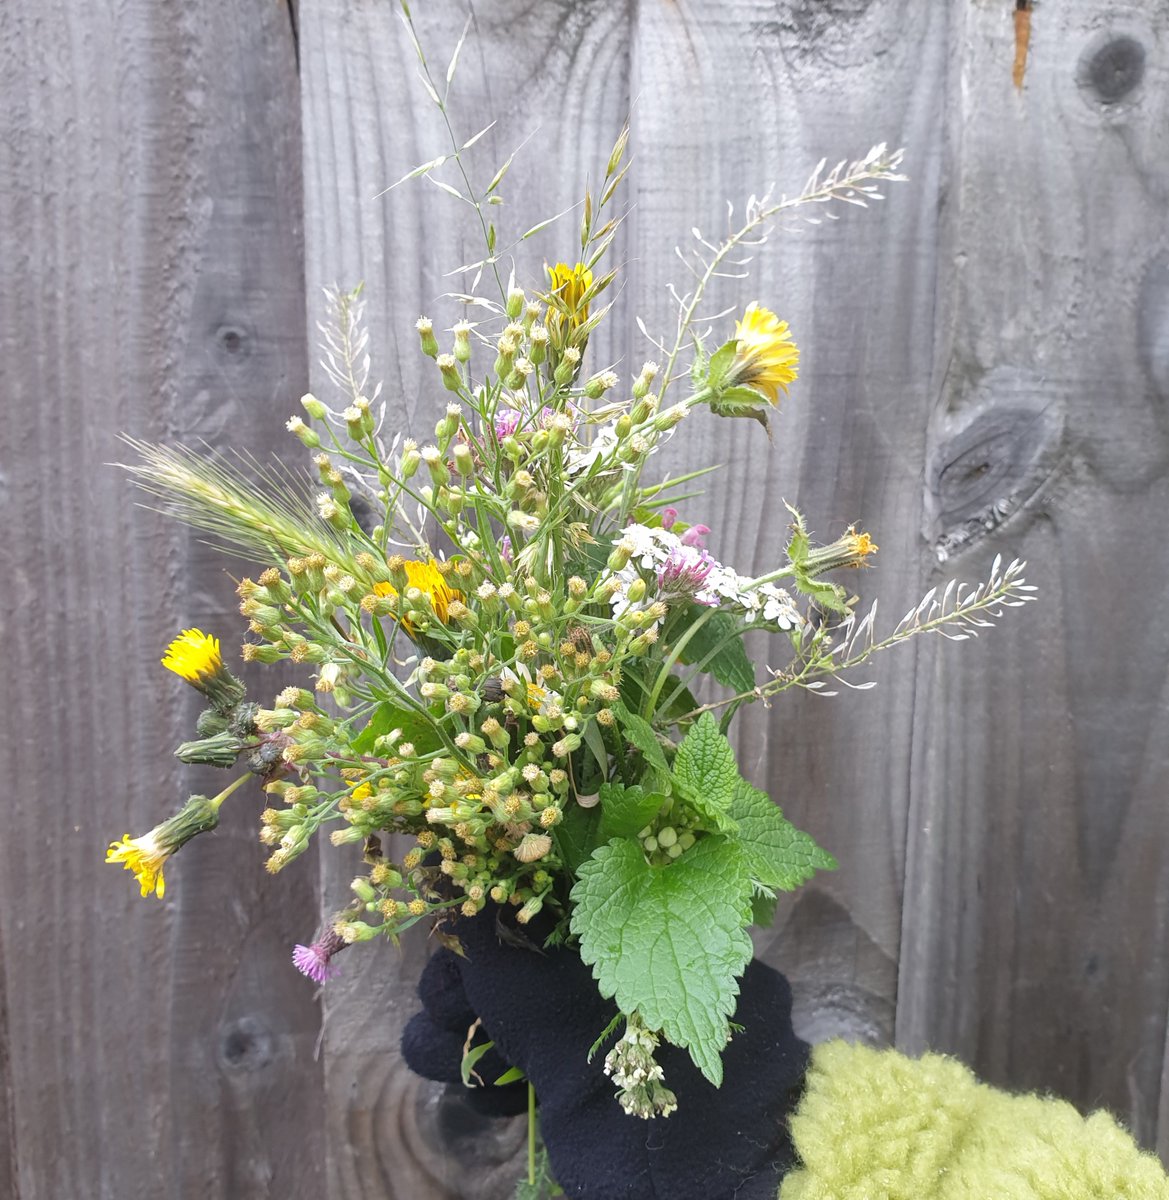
{"x":151,"y":234}
{"x":1036,"y":893}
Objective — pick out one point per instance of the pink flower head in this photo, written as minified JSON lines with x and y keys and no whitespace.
{"x":684,"y":573}
{"x":315,"y":960}
{"x":669,"y":516}
{"x":506,"y":423}
{"x":695,"y":535}
{"x":505,"y":549}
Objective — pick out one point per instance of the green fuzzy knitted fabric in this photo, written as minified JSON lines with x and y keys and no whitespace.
{"x":875,"y":1125}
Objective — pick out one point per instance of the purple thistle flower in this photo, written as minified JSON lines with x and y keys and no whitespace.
{"x":685,"y":571}
{"x":695,"y":535}
{"x":315,"y":960}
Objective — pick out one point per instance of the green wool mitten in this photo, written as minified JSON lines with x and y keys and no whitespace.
{"x":875,"y":1125}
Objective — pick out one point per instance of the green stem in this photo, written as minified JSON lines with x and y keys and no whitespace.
{"x":647,"y":710}
{"x":531,"y":1135}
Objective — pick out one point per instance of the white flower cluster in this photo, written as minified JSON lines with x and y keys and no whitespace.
{"x":657,"y":549}
{"x":638,"y":1076}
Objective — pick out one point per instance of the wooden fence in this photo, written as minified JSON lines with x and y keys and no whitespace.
{"x":986,"y":368}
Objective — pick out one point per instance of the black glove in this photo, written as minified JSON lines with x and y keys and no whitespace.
{"x":543,"y":1012}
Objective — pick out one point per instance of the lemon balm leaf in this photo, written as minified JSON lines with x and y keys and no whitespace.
{"x":668,"y":942}
{"x":706,"y":774}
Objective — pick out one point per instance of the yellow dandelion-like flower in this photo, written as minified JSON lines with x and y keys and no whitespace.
{"x":143,"y":856}
{"x":193,"y":656}
{"x":569,"y":285}
{"x":766,"y":358}
{"x":426,"y":577}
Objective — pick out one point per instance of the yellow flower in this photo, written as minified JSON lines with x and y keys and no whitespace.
{"x":569,"y":285}
{"x":766,"y":358}
{"x":426,"y":577}
{"x":193,"y":656}
{"x":145,"y":857}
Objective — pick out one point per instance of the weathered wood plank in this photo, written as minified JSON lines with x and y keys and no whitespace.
{"x":733,"y":98}
{"x":559,"y":76}
{"x":150,"y":231}
{"x":1037,"y":895}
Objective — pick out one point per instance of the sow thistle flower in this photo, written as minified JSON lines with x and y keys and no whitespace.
{"x":751,"y":369}
{"x":146,"y":856}
{"x":567,"y":311}
{"x":194,"y":656}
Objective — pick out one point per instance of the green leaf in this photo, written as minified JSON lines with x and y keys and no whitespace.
{"x":720,"y":362}
{"x":741,"y":402}
{"x":640,"y":733}
{"x":511,"y":1075}
{"x":668,"y":942}
{"x":625,"y":810}
{"x":778,"y":855}
{"x":706,"y":773}
{"x":472,"y":1056}
{"x":576,"y":835}
{"x":415,"y":728}
{"x":827,"y":595}
{"x":763,"y":908}
{"x":730,"y":666}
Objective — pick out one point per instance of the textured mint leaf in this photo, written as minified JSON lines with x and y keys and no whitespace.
{"x":668,"y":941}
{"x":730,"y":665}
{"x":625,"y":810}
{"x":777,"y":854}
{"x":639,"y":733}
{"x":706,"y":773}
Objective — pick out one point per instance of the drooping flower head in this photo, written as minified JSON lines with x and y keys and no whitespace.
{"x":146,"y":856}
{"x":315,"y":961}
{"x":194,"y":657}
{"x":766,"y":359}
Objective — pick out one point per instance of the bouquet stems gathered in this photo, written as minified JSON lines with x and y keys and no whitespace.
{"x":504,"y":628}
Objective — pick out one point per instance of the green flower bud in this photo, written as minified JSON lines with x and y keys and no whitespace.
{"x":425,"y":329}
{"x":311,"y":405}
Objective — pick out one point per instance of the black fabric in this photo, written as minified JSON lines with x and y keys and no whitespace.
{"x":543,"y":1011}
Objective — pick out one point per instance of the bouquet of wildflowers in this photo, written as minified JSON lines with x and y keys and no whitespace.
{"x":521,"y":651}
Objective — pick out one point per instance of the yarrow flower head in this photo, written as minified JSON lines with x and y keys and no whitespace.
{"x":194,"y":656}
{"x":316,"y":961}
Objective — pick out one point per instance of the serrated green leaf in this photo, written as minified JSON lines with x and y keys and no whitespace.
{"x":668,"y":942}
{"x":730,"y":665}
{"x":778,"y":855}
{"x":706,"y":774}
{"x":415,"y":728}
{"x":639,"y":733}
{"x":720,"y":362}
{"x":625,"y":810}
